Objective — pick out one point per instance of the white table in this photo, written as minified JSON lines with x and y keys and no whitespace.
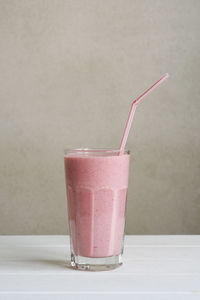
{"x":155,"y":267}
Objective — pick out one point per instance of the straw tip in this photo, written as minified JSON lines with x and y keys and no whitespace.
{"x":166,"y":75}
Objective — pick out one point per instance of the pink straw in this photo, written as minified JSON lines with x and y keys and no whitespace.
{"x":133,"y":108}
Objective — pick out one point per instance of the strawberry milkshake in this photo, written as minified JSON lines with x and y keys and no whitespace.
{"x":96,"y":183}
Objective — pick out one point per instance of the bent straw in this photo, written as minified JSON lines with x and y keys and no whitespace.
{"x":133,"y":108}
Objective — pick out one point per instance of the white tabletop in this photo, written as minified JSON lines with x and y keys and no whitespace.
{"x":155,"y":267}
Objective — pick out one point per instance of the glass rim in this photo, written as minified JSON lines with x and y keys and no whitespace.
{"x":95,"y":150}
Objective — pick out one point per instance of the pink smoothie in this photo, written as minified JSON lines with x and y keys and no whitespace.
{"x":96,"y":193}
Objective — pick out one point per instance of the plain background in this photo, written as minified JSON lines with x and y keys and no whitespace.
{"x":68,"y":73}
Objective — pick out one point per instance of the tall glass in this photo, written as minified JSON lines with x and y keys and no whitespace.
{"x":96,"y":183}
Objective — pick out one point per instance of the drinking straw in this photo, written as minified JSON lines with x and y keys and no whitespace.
{"x":133,"y":108}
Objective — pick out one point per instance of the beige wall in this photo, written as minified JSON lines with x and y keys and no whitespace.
{"x":68,"y":73}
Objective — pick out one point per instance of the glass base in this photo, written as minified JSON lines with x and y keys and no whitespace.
{"x":95,"y":263}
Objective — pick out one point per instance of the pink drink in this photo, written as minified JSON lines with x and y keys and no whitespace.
{"x":97,"y":185}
